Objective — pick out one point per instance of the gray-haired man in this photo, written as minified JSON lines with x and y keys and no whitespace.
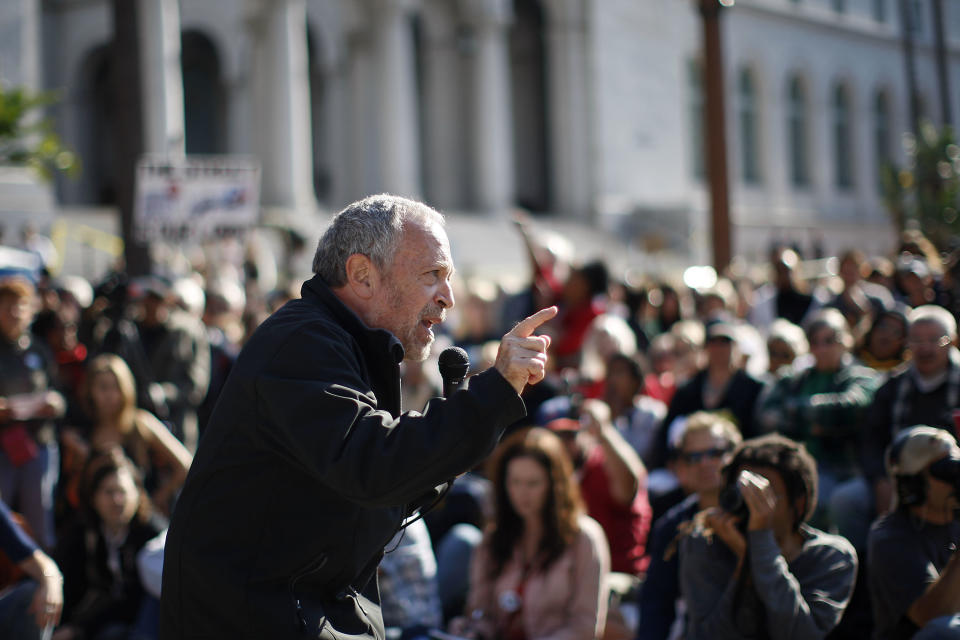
{"x":308,"y":467}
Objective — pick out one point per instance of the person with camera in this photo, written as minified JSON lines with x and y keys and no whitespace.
{"x":752,"y":567}
{"x":704,"y":444}
{"x":913,"y":566}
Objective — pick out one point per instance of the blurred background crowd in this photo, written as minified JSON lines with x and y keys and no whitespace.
{"x":105,"y":388}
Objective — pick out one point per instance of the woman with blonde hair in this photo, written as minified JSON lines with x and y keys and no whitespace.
{"x":109,"y":400}
{"x":541,"y":570}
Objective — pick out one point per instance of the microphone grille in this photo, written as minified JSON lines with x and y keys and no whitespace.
{"x":453,"y":362}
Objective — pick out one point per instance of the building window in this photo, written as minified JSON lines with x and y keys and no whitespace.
{"x":881,"y":133}
{"x":749,"y":153}
{"x":880,"y":10}
{"x":842,"y":142}
{"x":695,"y":90}
{"x":797,"y":132}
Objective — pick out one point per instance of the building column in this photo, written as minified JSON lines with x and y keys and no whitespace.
{"x":161,"y":77}
{"x":398,"y":152}
{"x":492,"y":115}
{"x":360,"y":109}
{"x":568,"y":94}
{"x":20,"y":47}
{"x":280,"y":83}
{"x":443,"y":105}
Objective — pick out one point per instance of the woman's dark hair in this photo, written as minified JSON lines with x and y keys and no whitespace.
{"x":789,"y":458}
{"x":597,"y":277}
{"x":898,"y":313}
{"x":563,"y":504}
{"x":99,"y":466}
{"x":632,"y":365}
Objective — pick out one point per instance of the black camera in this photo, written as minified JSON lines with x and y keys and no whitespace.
{"x":731,"y":501}
{"x":947,"y":470}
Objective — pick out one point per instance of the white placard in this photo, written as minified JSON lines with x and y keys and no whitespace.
{"x":195,"y":198}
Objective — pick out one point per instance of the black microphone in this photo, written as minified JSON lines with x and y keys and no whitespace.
{"x":453,"y":364}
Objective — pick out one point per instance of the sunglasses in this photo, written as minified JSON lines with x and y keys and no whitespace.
{"x":691,"y":457}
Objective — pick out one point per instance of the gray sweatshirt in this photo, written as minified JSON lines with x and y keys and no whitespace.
{"x":800,"y":600}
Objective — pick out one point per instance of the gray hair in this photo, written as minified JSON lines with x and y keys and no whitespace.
{"x":937,"y":314}
{"x":371,"y":227}
{"x":789,"y":333}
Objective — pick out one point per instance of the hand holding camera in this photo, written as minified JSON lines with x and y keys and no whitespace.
{"x":750,"y":500}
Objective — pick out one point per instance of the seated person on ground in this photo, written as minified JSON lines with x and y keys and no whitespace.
{"x":705,"y":445}
{"x":753,"y":568}
{"x":914,"y":568}
{"x":103,"y":595}
{"x":541,"y":570}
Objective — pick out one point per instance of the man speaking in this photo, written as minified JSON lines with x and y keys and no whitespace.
{"x":307,"y":467}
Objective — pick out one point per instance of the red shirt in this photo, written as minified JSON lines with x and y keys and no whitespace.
{"x":627,"y":527}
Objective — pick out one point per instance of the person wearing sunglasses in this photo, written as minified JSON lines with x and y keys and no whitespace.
{"x":703,"y":445}
{"x":753,"y":567}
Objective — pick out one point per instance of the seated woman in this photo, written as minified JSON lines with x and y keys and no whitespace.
{"x":884,"y":346}
{"x":109,"y":396}
{"x":541,"y":570}
{"x":103,"y":595}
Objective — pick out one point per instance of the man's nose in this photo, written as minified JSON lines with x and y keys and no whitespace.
{"x":444,"y":296}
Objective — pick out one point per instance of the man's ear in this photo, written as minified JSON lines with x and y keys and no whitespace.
{"x":362,"y":276}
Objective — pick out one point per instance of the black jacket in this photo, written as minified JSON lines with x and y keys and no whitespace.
{"x":899,"y":404}
{"x":94,"y":596}
{"x":739,"y":400}
{"x":305,"y":472}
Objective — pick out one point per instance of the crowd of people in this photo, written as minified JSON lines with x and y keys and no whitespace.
{"x":742,"y":460}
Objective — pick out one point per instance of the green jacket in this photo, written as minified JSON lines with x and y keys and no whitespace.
{"x":822,"y":410}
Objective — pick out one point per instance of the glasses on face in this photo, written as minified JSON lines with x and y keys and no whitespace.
{"x":942,"y":341}
{"x":692,"y":457}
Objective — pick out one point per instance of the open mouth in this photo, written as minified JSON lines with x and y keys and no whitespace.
{"x":427,"y":324}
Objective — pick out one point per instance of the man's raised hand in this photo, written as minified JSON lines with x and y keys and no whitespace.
{"x":522,"y":357}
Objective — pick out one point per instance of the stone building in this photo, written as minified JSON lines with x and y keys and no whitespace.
{"x":589,"y":111}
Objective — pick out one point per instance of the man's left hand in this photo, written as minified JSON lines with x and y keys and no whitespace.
{"x":760,"y":498}
{"x":522,"y":356}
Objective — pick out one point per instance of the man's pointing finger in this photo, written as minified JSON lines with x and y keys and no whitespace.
{"x":528,"y":325}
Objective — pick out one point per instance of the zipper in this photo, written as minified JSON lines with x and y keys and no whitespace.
{"x":313,"y":567}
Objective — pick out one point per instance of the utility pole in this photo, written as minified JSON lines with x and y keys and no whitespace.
{"x":906,"y":26}
{"x":715,"y":126}
{"x":127,"y":126}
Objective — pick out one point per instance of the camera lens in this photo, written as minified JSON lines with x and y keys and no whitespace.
{"x":731,"y":501}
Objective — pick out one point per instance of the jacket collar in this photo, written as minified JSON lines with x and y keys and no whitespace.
{"x":374,"y":340}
